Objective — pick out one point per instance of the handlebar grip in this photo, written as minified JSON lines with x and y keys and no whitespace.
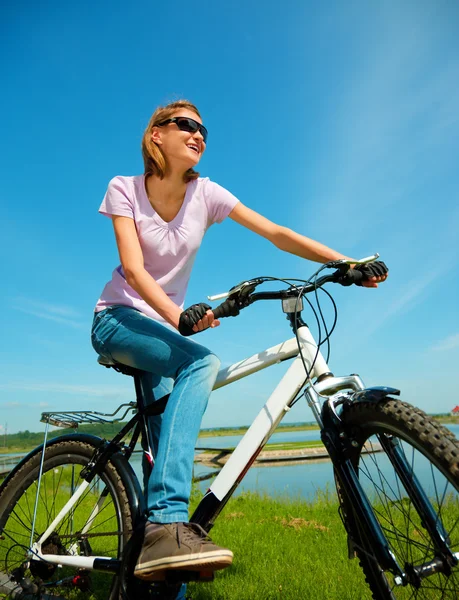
{"x":228,"y":308}
{"x":351,"y":277}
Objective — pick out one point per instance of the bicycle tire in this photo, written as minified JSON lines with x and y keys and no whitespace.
{"x":430,"y":453}
{"x":62,"y":465}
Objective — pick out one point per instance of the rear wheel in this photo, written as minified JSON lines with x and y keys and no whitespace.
{"x":98,"y":525}
{"x":434,"y":458}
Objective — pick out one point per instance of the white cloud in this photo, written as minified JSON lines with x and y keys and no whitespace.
{"x":394,"y":120}
{"x":55,"y":318}
{"x":63,"y":314}
{"x":449,"y":343}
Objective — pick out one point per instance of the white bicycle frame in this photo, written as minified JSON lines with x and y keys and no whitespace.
{"x":257,"y":435}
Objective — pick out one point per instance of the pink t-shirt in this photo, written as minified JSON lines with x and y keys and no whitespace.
{"x":169,"y":249}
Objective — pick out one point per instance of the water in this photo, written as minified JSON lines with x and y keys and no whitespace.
{"x":8,"y":461}
{"x":11,"y":455}
{"x":295,"y":480}
{"x":231,"y":441}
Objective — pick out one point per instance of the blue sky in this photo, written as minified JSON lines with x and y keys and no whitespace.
{"x":336,"y":119}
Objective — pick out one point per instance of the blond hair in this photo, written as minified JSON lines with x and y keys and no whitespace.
{"x":153,"y":158}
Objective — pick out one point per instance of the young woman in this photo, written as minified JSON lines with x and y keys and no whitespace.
{"x":159,"y":219}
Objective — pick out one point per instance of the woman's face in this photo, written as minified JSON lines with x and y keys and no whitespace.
{"x":182,"y":149}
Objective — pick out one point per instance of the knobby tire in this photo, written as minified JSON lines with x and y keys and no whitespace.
{"x":433,"y":454}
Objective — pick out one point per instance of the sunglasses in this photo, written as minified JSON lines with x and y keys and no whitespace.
{"x":187,"y":124}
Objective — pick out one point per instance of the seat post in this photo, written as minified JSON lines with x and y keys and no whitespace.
{"x":143,"y":391}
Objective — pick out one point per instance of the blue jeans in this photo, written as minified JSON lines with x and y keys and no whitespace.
{"x":175,"y":363}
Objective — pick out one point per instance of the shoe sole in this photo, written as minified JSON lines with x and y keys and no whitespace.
{"x":155,"y":570}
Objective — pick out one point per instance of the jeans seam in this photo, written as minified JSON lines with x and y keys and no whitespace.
{"x":108,"y":318}
{"x":171,"y":433}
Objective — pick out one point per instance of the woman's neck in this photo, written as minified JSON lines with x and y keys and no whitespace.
{"x":170,"y":189}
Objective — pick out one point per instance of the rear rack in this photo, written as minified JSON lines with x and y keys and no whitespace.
{"x":72,"y":419}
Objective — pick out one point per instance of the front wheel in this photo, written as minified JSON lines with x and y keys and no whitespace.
{"x":434,"y":458}
{"x":98,"y":525}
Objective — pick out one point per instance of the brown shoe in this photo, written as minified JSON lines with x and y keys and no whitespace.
{"x":178,"y":546}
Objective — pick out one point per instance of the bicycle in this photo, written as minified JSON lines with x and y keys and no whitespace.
{"x":401,"y":527}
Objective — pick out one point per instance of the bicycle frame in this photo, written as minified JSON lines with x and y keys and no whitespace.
{"x":249,"y":447}
{"x":320,"y":396}
{"x":269,"y":417}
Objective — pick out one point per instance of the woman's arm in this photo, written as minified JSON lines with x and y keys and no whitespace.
{"x":137,"y":277}
{"x":288,"y":240}
{"x":282,"y":237}
{"x":142,"y":282}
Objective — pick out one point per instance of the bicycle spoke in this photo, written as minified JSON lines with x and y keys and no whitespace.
{"x":103,"y":509}
{"x":55,"y":488}
{"x":426,"y":463}
{"x":396,"y":504}
{"x":66,"y":522}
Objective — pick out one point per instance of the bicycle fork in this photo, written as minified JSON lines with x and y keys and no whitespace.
{"x":445,"y":559}
{"x":337,"y":444}
{"x":356,"y":497}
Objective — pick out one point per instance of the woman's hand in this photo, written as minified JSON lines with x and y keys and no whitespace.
{"x":207,"y":321}
{"x":196,"y":318}
{"x":373,"y":281}
{"x":373,"y":273}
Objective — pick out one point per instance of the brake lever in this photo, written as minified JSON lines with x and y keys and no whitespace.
{"x":341,"y":273}
{"x":241,"y":290}
{"x":243,"y":298}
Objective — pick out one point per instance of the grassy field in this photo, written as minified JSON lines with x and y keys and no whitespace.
{"x":241,"y":430}
{"x":16,"y":450}
{"x":279,"y":446}
{"x":284,"y":549}
{"x":287,"y":549}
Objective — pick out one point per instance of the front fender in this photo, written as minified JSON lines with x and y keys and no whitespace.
{"x":374,"y":394}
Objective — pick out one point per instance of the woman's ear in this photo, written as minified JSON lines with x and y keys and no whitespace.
{"x":156,"y":136}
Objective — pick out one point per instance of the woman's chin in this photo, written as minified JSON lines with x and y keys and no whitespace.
{"x":193,"y":163}
{"x":186,"y":162}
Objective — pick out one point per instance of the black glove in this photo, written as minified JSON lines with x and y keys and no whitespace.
{"x":374,"y":269}
{"x":191,"y":316}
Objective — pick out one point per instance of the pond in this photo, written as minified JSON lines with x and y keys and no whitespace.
{"x":294,"y":480}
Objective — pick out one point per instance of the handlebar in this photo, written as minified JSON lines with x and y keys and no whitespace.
{"x":243,"y":294}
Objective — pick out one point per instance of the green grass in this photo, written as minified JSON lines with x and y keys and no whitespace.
{"x":283,"y":549}
{"x":289,"y":549}
{"x":241,"y":430}
{"x":278,"y":446}
{"x":16,"y":532}
{"x":16,"y":449}
{"x":294,"y":445}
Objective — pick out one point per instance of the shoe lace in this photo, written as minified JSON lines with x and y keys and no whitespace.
{"x":187,"y":532}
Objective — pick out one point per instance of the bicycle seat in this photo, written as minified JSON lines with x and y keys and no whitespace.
{"x":120,"y":367}
{"x":105,"y":362}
